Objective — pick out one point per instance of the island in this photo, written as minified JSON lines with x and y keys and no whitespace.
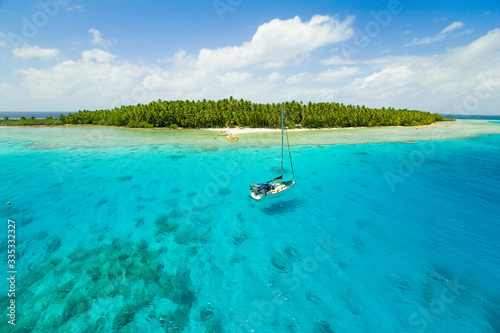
{"x":231,"y":113}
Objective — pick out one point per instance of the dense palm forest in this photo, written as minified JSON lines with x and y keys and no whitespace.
{"x":232,"y":112}
{"x":32,"y":121}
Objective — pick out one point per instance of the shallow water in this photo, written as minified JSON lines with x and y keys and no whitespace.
{"x":119,"y":231}
{"x":73,"y":137}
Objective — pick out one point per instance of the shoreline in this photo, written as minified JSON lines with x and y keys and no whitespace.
{"x":231,"y":133}
{"x":75,"y":136}
{"x":228,"y":130}
{"x":248,"y":130}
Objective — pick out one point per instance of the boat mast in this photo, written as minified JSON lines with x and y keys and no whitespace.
{"x":282,"y":141}
{"x":290,"y":155}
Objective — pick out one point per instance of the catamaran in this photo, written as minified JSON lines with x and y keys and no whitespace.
{"x":276,"y":185}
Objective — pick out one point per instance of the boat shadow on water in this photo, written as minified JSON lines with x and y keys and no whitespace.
{"x":282,"y":206}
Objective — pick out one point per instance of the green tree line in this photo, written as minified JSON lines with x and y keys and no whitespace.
{"x":232,"y":112}
{"x":32,"y":121}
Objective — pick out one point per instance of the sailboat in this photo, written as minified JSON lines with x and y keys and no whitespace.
{"x":276,"y":185}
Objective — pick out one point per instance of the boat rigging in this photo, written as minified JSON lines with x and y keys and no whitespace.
{"x":276,"y":185}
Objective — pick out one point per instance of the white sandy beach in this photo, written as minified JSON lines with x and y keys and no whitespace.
{"x":247,"y":130}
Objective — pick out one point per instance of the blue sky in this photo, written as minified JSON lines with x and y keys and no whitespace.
{"x":67,"y":55}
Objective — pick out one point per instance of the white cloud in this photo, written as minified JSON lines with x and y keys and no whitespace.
{"x":97,"y":55}
{"x":437,"y":83}
{"x":232,"y":78}
{"x":179,"y":59}
{"x":97,"y":38}
{"x":97,"y":80}
{"x":439,"y":37}
{"x":433,"y":83}
{"x":334,"y":75}
{"x":452,"y":27}
{"x":27,"y":52}
{"x":274,"y":76}
{"x":464,"y":32}
{"x":71,"y":6}
{"x":6,"y":88}
{"x":337,"y":60}
{"x":331,"y":75}
{"x":93,"y":81}
{"x":4,"y":40}
{"x":295,"y":79}
{"x":277,"y":43}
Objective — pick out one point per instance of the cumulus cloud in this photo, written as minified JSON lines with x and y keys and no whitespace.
{"x":436,"y":83}
{"x":334,"y":75}
{"x":337,"y":60}
{"x":97,"y":55}
{"x":221,"y":72}
{"x":295,"y":79}
{"x":94,"y":80}
{"x":277,"y":43}
{"x":439,"y":37}
{"x":6,"y":88}
{"x":27,"y":52}
{"x":331,"y":75}
{"x":212,"y":73}
{"x":254,"y":70}
{"x":97,"y":38}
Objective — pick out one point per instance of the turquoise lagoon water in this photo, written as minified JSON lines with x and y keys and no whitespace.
{"x":153,"y":236}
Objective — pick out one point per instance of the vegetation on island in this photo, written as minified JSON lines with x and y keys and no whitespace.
{"x":32,"y":121}
{"x":232,"y":112}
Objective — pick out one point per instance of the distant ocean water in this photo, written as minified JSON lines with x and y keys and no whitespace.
{"x":473,"y":116}
{"x":377,"y":237}
{"x":27,"y":114}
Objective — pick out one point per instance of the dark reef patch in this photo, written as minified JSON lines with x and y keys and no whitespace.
{"x":164,"y":226}
{"x":53,"y":245}
{"x":224,"y":191}
{"x":124,"y":178}
{"x":116,"y":281}
{"x":322,"y":327}
{"x":26,"y":220}
{"x":239,"y":238}
{"x":101,"y":202}
{"x":139,"y":222}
